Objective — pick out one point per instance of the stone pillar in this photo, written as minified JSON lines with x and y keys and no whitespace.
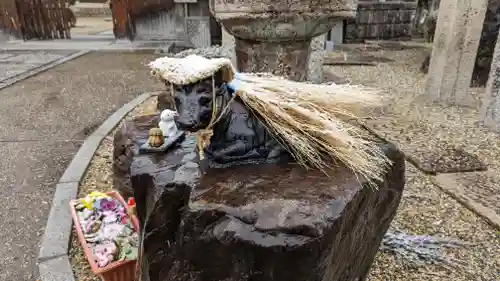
{"x":490,"y":112}
{"x":337,"y":33}
{"x":316,"y":59}
{"x":314,"y":64}
{"x":228,"y":42}
{"x":276,"y":36}
{"x":455,"y":46}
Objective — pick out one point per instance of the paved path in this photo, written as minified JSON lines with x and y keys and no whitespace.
{"x":13,"y":63}
{"x":93,"y":25}
{"x":43,"y":121}
{"x":103,"y":41}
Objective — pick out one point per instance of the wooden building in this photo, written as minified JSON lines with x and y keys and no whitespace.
{"x":183,"y":22}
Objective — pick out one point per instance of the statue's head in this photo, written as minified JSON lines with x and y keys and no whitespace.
{"x":168,"y":115}
{"x":194,"y":103}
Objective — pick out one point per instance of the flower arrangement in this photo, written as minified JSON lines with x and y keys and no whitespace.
{"x":107,"y":228}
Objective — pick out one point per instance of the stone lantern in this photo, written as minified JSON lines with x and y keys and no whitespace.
{"x":275,"y":35}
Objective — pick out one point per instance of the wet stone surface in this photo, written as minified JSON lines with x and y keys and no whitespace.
{"x":13,"y":63}
{"x":254,"y":222}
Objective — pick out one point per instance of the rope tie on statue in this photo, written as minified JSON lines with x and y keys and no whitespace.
{"x":203,"y":136}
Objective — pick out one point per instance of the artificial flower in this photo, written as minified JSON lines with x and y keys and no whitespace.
{"x":106,"y":204}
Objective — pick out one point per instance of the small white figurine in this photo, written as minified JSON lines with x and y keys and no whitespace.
{"x":167,"y":124}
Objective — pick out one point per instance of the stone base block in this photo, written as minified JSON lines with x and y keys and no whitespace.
{"x":259,"y":222}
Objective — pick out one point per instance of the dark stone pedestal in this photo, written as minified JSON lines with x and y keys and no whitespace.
{"x":258,"y":223}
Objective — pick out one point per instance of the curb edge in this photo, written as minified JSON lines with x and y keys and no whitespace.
{"x":53,"y":260}
{"x":448,"y":183}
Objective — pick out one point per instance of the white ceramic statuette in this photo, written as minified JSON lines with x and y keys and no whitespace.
{"x":167,"y":124}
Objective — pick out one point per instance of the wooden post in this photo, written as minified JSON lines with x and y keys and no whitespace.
{"x":120,"y":19}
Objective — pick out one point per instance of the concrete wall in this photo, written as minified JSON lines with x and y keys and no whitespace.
{"x":4,"y":37}
{"x":187,"y":24}
{"x":381,"y":20}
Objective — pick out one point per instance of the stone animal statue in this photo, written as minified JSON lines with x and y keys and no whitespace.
{"x":167,"y":124}
{"x":239,"y":137}
{"x":428,"y":21}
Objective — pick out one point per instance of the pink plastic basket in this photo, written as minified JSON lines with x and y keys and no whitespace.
{"x":115,"y":271}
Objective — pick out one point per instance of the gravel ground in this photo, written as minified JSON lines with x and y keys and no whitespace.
{"x":413,"y":123}
{"x":423,"y":129}
{"x":417,"y":127}
{"x":13,"y":63}
{"x":426,"y":210}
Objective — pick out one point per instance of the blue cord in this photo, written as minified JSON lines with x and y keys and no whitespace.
{"x":234,"y":85}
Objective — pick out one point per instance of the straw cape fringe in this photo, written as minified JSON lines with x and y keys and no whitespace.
{"x":313,"y":122}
